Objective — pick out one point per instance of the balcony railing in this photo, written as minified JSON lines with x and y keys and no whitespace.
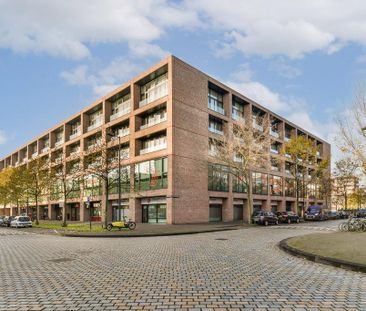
{"x":237,"y":116}
{"x":34,"y":155}
{"x":318,"y":154}
{"x":153,"y":148}
{"x":124,"y":109}
{"x":288,"y":171}
{"x":287,"y":155}
{"x":274,"y":133}
{"x":98,"y":122}
{"x":257,"y":126}
{"x":74,"y":152}
{"x":76,"y":134}
{"x":238,"y":159}
{"x":121,"y":133}
{"x":216,"y":131}
{"x":59,"y":143}
{"x":273,"y":150}
{"x":214,"y":105}
{"x":156,"y":92}
{"x":153,"y":122}
{"x":275,"y":168}
{"x":45,"y":149}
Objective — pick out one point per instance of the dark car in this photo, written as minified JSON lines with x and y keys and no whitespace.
{"x":7,"y":220}
{"x":343,"y":215}
{"x":288,"y":217}
{"x":333,"y":215}
{"x":316,"y":212}
{"x":264,"y":218}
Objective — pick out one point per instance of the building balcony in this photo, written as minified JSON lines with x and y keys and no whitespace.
{"x":276,"y":151}
{"x":59,"y":143}
{"x":45,"y":149}
{"x":287,"y":139}
{"x":98,"y":122}
{"x":318,"y":154}
{"x":154,"y":93}
{"x":121,"y":133}
{"x":123,"y":110}
{"x":153,"y":148}
{"x":216,"y":131}
{"x":257,"y":126}
{"x":35,"y":154}
{"x":76,"y":134}
{"x":237,"y":159}
{"x":274,"y":133}
{"x":153,"y":122}
{"x":237,"y":116}
{"x":213,"y":105}
{"x":287,"y":155}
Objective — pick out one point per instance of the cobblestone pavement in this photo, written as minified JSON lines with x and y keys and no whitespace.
{"x":232,"y":270}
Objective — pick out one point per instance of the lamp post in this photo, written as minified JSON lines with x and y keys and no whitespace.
{"x":119,"y":175}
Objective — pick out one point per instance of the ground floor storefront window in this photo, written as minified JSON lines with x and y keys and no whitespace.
{"x":73,"y":212}
{"x":95,"y":210}
{"x":215,"y":210}
{"x":120,"y":212}
{"x":154,"y":210}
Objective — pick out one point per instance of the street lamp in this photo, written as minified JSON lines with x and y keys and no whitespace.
{"x":119,"y":175}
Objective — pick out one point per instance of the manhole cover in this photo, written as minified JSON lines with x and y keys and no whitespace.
{"x":221,"y":239}
{"x":57,"y":260}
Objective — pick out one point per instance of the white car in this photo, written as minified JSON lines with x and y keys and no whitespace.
{"x":21,"y":222}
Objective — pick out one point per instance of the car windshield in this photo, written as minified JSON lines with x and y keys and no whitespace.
{"x":24,"y":219}
{"x":313,"y":210}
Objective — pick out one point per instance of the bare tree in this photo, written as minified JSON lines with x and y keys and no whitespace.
{"x":101,"y":161}
{"x":67,"y":177}
{"x":352,"y":129}
{"x":345,"y":173}
{"x":242,"y":150}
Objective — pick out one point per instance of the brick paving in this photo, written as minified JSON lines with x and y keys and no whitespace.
{"x":231,"y":270}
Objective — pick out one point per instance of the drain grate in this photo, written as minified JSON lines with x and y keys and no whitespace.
{"x":221,"y":239}
{"x":59,"y":260}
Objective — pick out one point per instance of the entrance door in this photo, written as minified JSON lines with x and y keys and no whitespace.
{"x":154,"y":213}
{"x":238,"y":212}
{"x":215,"y":212}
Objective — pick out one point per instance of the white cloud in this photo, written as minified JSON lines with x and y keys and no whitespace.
{"x":67,"y":28}
{"x":102,"y":80}
{"x":3,"y":138}
{"x":144,"y":49}
{"x":285,"y":70}
{"x":286,"y":27}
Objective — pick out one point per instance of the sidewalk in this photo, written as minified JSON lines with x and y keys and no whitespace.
{"x":142,"y":229}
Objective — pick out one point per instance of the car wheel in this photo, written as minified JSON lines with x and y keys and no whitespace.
{"x":289,"y":221}
{"x":266,"y":223}
{"x":298,"y":220}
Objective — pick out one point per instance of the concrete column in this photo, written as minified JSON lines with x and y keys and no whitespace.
{"x":228,"y":209}
{"x":51,"y":212}
{"x":266,"y":205}
{"x":170,"y":211}
{"x":135,"y":210}
{"x":281,"y":206}
{"x":84,"y":212}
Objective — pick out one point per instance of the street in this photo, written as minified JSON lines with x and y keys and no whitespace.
{"x":232,"y":270}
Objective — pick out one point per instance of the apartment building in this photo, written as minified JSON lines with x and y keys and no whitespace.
{"x":165,"y":120}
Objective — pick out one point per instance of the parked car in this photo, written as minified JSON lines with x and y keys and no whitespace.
{"x":7,"y":220}
{"x":21,"y":222}
{"x":288,"y":217}
{"x":343,"y":215}
{"x":264,"y":218}
{"x":333,"y":215}
{"x":1,"y":220}
{"x":316,"y":212}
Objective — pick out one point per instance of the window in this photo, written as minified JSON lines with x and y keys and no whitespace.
{"x":239,"y":184}
{"x":95,"y":119}
{"x":215,"y":101}
{"x":218,"y":177}
{"x":215,"y":126}
{"x":260,"y":183}
{"x":92,"y":186}
{"x":121,"y":106}
{"x":237,"y":110}
{"x":289,"y":187}
{"x":151,"y":175}
{"x":154,"y":118}
{"x":125,"y":180}
{"x":275,"y":184}
{"x":153,"y":144}
{"x":154,"y":89}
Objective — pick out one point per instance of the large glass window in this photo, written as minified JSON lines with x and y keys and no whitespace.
{"x":153,"y":144}
{"x":151,"y":175}
{"x":215,"y":126}
{"x":237,"y":110}
{"x":125,"y":180}
{"x":289,"y":187}
{"x":154,"y":89}
{"x":218,"y":177}
{"x":260,"y":183}
{"x":275,"y":184}
{"x":239,"y":184}
{"x":215,"y":101}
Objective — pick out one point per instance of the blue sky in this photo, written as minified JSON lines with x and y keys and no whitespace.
{"x":302,"y":60}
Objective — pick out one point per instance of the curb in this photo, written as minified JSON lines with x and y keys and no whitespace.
{"x":321,"y":259}
{"x":93,"y":235}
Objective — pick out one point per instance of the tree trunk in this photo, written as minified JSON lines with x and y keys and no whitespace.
{"x":250,"y":200}
{"x":106,"y":195}
{"x":37,"y":210}
{"x":64,"y":224}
